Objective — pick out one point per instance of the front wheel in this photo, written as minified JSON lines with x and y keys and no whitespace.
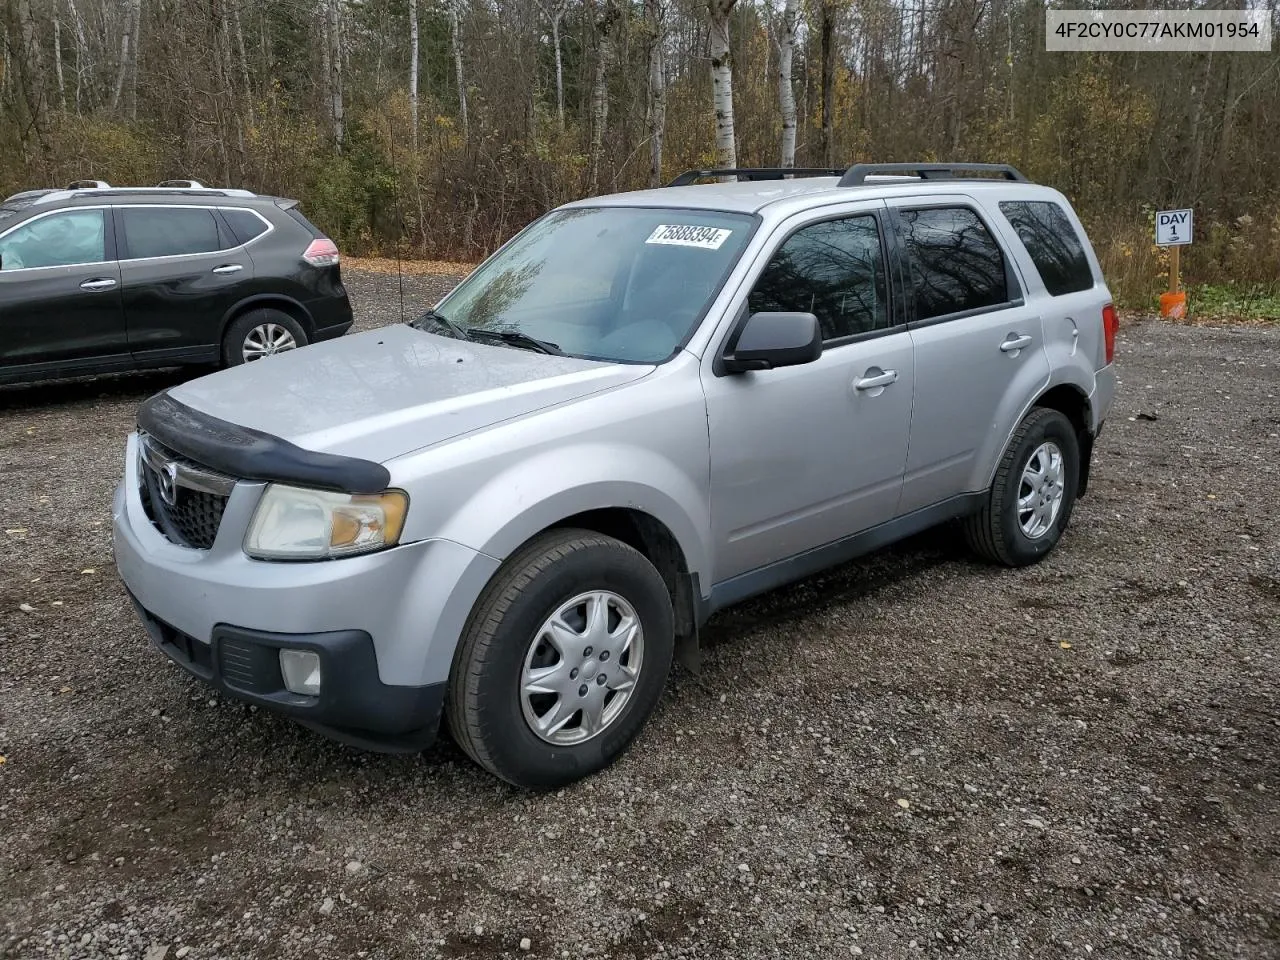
{"x":563,"y":660}
{"x":1033,"y":492}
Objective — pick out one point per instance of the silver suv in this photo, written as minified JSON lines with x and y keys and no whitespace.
{"x":516,"y":510}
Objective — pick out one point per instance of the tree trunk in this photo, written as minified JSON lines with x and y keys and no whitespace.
{"x":455,"y":40}
{"x":600,"y":90}
{"x":413,"y":73}
{"x":82,"y":51}
{"x":556,"y":16}
{"x":786,"y":93}
{"x":238,"y":27}
{"x":722,"y":83}
{"x":337,"y":108}
{"x":57,"y":61}
{"x":126,"y":50}
{"x":656,"y":108}
{"x":828,"y":30}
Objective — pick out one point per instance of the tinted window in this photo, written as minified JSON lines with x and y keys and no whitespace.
{"x":955,"y":262}
{"x":834,"y":270}
{"x":244,"y":224}
{"x":297,"y":215}
{"x":1054,"y":246}
{"x":169,"y":231}
{"x":58,"y":240}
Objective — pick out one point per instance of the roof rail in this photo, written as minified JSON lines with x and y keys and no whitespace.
{"x":88,"y":185}
{"x":185,"y":184}
{"x":857,"y":174}
{"x":754,"y":173}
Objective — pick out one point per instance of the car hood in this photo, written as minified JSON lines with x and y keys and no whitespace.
{"x":386,"y":392}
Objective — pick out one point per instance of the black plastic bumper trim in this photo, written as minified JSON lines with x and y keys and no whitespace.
{"x":252,"y":454}
{"x":354,"y":705}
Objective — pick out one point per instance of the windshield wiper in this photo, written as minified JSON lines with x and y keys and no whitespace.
{"x":517,"y":339}
{"x":453,"y":329}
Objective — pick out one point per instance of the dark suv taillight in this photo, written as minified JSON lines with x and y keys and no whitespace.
{"x":321,"y":252}
{"x":1110,"y":324}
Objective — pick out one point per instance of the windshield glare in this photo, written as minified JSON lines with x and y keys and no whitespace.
{"x":608,"y":283}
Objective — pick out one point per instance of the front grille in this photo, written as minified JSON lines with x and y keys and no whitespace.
{"x":184,"y":501}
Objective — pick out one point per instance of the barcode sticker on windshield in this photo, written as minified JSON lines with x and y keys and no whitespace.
{"x":688,"y":235}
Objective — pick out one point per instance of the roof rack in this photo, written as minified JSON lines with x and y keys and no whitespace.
{"x":857,"y":174}
{"x":88,"y":185}
{"x":754,"y":173}
{"x":186,"y":184}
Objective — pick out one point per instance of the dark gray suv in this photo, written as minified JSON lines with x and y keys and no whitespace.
{"x":95,"y":279}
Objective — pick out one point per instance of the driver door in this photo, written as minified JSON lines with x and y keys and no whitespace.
{"x":807,"y":455}
{"x":60,"y":294}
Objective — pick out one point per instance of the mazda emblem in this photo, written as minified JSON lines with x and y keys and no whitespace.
{"x":167,"y":477}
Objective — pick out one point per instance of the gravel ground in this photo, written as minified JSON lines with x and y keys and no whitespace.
{"x":913,"y":755}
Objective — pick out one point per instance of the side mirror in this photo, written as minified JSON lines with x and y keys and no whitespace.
{"x":769,"y":340}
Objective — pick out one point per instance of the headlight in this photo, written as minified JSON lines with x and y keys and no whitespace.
{"x":293,"y":523}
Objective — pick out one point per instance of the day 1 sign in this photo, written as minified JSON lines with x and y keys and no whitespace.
{"x":1173,"y":228}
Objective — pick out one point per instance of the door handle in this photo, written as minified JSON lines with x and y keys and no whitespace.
{"x":876,"y":380}
{"x":1015,"y":343}
{"x":229,"y":268}
{"x":100,"y":283}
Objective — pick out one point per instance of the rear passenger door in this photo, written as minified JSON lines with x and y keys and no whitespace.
{"x":181,"y":270}
{"x":979,"y":347}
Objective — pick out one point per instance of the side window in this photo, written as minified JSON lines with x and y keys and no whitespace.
{"x":58,"y":240}
{"x":955,"y":262}
{"x":834,"y":270}
{"x":169,"y":231}
{"x":1053,"y":244}
{"x":245,"y":225}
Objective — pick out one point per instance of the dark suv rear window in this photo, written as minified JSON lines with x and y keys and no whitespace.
{"x":170,"y":231}
{"x":1053,"y":244}
{"x":245,"y":225}
{"x":956,"y":264}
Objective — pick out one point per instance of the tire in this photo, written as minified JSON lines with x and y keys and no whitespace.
{"x":997,"y":532}
{"x":267,"y":326}
{"x":488,"y":711}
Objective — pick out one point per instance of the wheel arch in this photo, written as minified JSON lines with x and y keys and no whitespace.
{"x":278,"y":301}
{"x":1073,"y":403}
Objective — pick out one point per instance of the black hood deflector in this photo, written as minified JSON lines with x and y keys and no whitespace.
{"x":249,"y":454}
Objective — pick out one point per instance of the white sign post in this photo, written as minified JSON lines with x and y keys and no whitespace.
{"x":1173,"y":229}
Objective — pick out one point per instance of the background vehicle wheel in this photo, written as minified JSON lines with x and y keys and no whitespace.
{"x":563,"y":659}
{"x":261,"y":333}
{"x":1033,"y":492}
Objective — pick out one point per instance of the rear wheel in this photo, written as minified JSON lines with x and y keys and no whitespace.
{"x":563,"y":660}
{"x":1033,"y":492}
{"x":261,"y":333}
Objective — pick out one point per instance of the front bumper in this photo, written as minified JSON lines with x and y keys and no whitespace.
{"x":354,"y":706}
{"x":407,"y":606}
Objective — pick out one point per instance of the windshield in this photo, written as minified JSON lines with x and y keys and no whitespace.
{"x":609,"y":283}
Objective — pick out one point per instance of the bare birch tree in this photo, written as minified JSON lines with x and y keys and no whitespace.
{"x":413,"y":73}
{"x":786,"y":41}
{"x":455,"y":40}
{"x":609,"y":15}
{"x":656,"y":107}
{"x":722,"y":82}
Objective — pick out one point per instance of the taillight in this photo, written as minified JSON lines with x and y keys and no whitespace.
{"x":1110,"y":324}
{"x":321,"y":253}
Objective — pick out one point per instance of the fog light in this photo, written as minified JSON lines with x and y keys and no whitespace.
{"x":301,"y":669}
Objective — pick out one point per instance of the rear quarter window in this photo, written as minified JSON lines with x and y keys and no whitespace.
{"x":245,"y":225}
{"x":1052,"y":243}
